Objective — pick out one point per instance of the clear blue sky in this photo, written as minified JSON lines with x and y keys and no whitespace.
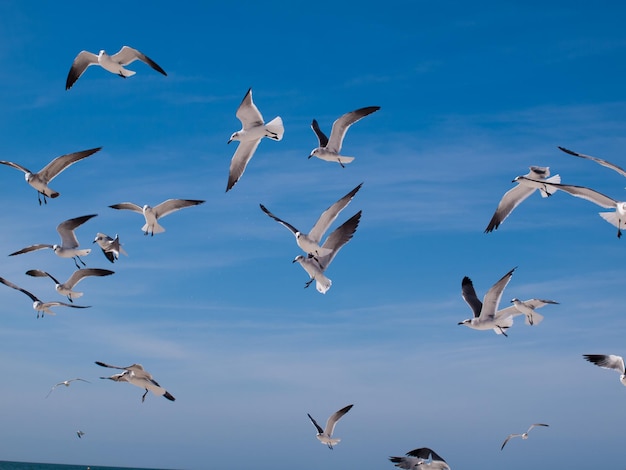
{"x":471,"y":95}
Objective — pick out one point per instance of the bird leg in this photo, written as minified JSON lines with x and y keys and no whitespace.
{"x":39,"y":198}
{"x":143,"y":397}
{"x":342,"y":165}
{"x":308,"y":283}
{"x":502,"y":331}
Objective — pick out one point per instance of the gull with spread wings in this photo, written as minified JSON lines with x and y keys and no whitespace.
{"x":136,"y":375}
{"x":153,"y":214}
{"x":325,"y":436}
{"x":66,"y":383}
{"x":65,"y":288}
{"x":523,"y":435}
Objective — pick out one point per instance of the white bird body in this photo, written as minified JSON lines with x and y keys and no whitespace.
{"x":523,"y":435}
{"x":609,"y":361}
{"x":153,"y":214}
{"x":485,"y":317}
{"x":136,"y":375}
{"x":420,"y":459}
{"x":526,"y":308}
{"x":111,"y":247}
{"x":325,"y":436}
{"x":65,"y":288}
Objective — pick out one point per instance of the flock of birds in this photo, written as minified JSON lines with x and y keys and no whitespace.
{"x":316,"y":257}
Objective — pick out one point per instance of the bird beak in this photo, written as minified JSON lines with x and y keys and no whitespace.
{"x":460,"y":323}
{"x":229,"y":141}
{"x":309,"y":156}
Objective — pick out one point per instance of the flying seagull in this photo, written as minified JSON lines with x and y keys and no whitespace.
{"x":616,"y":218}
{"x":315,"y":267}
{"x":253,"y":130}
{"x":526,"y":308}
{"x":310,"y":242}
{"x":111,"y":247}
{"x":604,"y":163}
{"x":325,"y":436}
{"x":66,"y":287}
{"x":136,"y":375}
{"x":39,"y":306}
{"x":113,"y":63}
{"x":329,"y":148}
{"x":69,"y":242}
{"x":152,"y":214}
{"x":609,"y":362}
{"x":421,"y":458}
{"x":66,"y":383}
{"x":485,"y":317}
{"x":526,"y":185}
{"x":80,"y":434}
{"x":524,"y":435}
{"x":40,"y":180}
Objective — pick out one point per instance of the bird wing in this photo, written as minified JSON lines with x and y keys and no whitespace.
{"x":240,"y":160}
{"x":340,"y":126}
{"x":494,"y":294}
{"x":332,"y":420}
{"x":609,"y":361}
{"x":317,"y":426}
{"x":604,"y":163}
{"x":83,"y":60}
{"x":329,"y":215}
{"x":40,"y":273}
{"x":56,"y":166}
{"x":408,"y":463}
{"x":586,"y":193}
{"x":16,"y":166}
{"x":248,"y":113}
{"x":511,"y":199}
{"x":66,"y":230}
{"x":321,"y":137}
{"x":63,"y":304}
{"x":172,"y":205}
{"x":469,"y":295}
{"x":127,"y":55}
{"x":135,"y":366}
{"x":509,"y":438}
{"x":280,"y":221}
{"x":10,"y":284}
{"x":28,"y":249}
{"x":79,"y":274}
{"x":128,"y":206}
{"x":538,"y":303}
{"x":535,"y":425}
{"x":337,"y":239}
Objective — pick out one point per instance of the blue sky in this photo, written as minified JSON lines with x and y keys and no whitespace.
{"x":471,"y":95}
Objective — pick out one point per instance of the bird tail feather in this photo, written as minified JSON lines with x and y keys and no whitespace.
{"x":274,"y":128}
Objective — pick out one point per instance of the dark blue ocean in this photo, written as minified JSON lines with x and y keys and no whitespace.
{"x":51,"y":466}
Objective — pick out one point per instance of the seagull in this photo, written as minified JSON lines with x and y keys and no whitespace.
{"x":420,"y":458}
{"x":526,"y":185}
{"x":113,"y":63}
{"x":609,"y":362}
{"x":485,"y":317}
{"x":310,"y":242}
{"x":524,"y":435}
{"x":616,"y":218}
{"x":253,"y":130}
{"x":527,"y":308}
{"x":152,"y":214}
{"x":329,"y":148}
{"x":597,"y":160}
{"x":80,"y":434}
{"x":66,"y":287}
{"x":136,"y":375}
{"x":69,"y":242}
{"x":40,"y":180}
{"x":325,"y":436}
{"x":111,"y":247}
{"x":316,"y":267}
{"x":66,"y":383}
{"x":39,"y":306}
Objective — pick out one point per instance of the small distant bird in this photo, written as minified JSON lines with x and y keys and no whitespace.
{"x":111,"y":247}
{"x":315,"y":267}
{"x":136,"y":375}
{"x":113,"y":63}
{"x":66,"y":287}
{"x":526,"y":308}
{"x":526,"y":185}
{"x":325,"y":436}
{"x":249,"y":137}
{"x":69,"y":242}
{"x":152,"y":214}
{"x":609,"y":362}
{"x":524,"y":435}
{"x":39,"y":306}
{"x":80,"y":434}
{"x":485,"y":317}
{"x":310,"y":242}
{"x":597,"y":160}
{"x":421,"y":458}
{"x":40,"y":180}
{"x":329,"y":149}
{"x":67,"y":384}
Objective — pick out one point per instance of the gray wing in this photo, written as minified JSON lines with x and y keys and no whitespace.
{"x":493,"y":295}
{"x":248,"y":113}
{"x":172,"y":205}
{"x":425,"y":453}
{"x":63,"y":304}
{"x":10,"y":284}
{"x":509,"y":201}
{"x":240,"y":160}
{"x":317,"y":426}
{"x":59,"y":164}
{"x":469,"y":295}
{"x":508,"y":439}
{"x":66,"y":230}
{"x":321,"y":137}
{"x":28,"y":249}
{"x":83,"y":60}
{"x":604,"y":163}
{"x":127,"y":55}
{"x":40,"y":273}
{"x":128,"y":206}
{"x":338,"y":238}
{"x":609,"y":361}
{"x":80,"y":274}
{"x":131,"y":367}
{"x":336,"y":416}
{"x":16,"y":166}
{"x":535,"y":425}
{"x":340,"y":126}
{"x":587,"y":193}
{"x":280,"y":221}
{"x":329,"y":215}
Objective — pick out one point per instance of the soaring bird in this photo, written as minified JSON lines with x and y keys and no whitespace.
{"x":524,"y":435}
{"x":249,"y":137}
{"x":40,"y":180}
{"x":66,"y":287}
{"x":325,"y":436}
{"x":609,"y":361}
{"x":153,"y":214}
{"x":113,"y":63}
{"x":136,"y":375}
{"x":421,"y":458}
{"x":329,"y":148}
{"x":526,"y":308}
{"x":66,"y":383}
